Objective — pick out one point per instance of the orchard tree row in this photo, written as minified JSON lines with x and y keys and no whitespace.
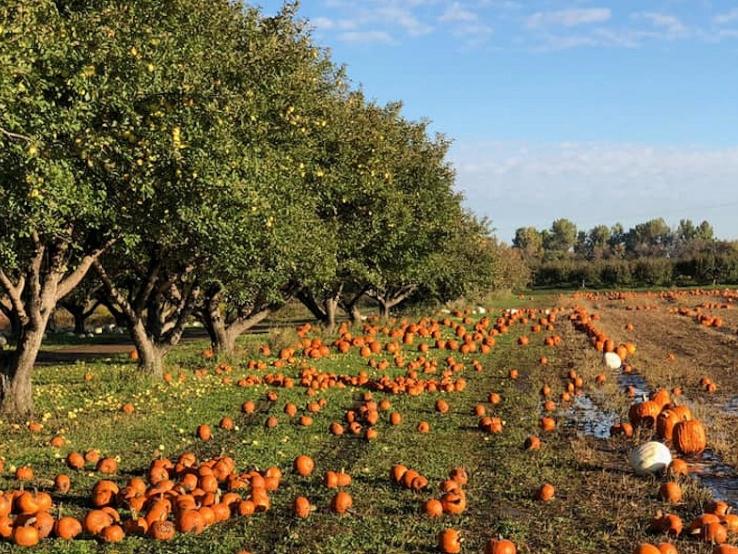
{"x":648,"y":254}
{"x":194,"y":158}
{"x":653,"y":238}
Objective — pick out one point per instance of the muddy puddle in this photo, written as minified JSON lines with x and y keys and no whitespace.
{"x":587,"y":418}
{"x":717,"y":477}
{"x":633,"y":379}
{"x":731,"y":406}
{"x":720,"y":479}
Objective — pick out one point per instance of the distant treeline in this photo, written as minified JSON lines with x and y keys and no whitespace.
{"x":648,"y":254}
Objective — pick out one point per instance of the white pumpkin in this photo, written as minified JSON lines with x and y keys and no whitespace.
{"x":612,"y":360}
{"x":650,"y":457}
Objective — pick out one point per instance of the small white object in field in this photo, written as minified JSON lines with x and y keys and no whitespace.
{"x":3,"y":341}
{"x":445,"y":311}
{"x":364,"y":317}
{"x":98,"y":330}
{"x":481,"y":310}
{"x":547,"y":311}
{"x":111,"y":327}
{"x":650,"y":457}
{"x":612,"y":360}
{"x":90,"y":335}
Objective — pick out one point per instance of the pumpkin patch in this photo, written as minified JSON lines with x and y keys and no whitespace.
{"x":504,"y":410}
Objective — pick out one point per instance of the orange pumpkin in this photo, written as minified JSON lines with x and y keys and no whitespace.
{"x":341,"y":502}
{"x":670,"y":492}
{"x":303,"y":465}
{"x":301,"y":507}
{"x":689,"y":437}
{"x":500,"y":546}
{"x":449,"y":541}
{"x":67,"y":528}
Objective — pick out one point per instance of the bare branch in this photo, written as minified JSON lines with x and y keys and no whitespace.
{"x":113,"y":293}
{"x":243,"y":324}
{"x":15,"y":294}
{"x":68,"y":284}
{"x":144,"y":293}
{"x":15,"y":136}
{"x":184,"y":312}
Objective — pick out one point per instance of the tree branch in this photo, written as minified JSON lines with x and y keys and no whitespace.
{"x":33,"y":272}
{"x":402,"y":293}
{"x":15,"y":293}
{"x":184,"y":312}
{"x":113,"y":293}
{"x":307,"y":298}
{"x":68,"y":284}
{"x":243,"y":324}
{"x":15,"y":136}
{"x":145,"y":291}
{"x":347,"y":305}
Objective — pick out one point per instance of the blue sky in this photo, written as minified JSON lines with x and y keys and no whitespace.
{"x":596,"y":111}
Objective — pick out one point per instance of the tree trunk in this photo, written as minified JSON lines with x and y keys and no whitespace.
{"x":150,"y":355}
{"x":79,"y":323}
{"x":330,"y":305}
{"x":308,"y":300}
{"x":15,"y":325}
{"x":16,"y":370}
{"x":355,"y":314}
{"x":120,"y":318}
{"x":388,"y":299}
{"x":78,"y":313}
{"x":350,"y":305}
{"x":34,"y":297}
{"x":384,"y":308}
{"x":221,"y":341}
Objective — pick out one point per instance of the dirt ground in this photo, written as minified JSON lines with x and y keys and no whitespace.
{"x":676,"y":351}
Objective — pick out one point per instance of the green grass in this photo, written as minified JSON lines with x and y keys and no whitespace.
{"x":599,"y":509}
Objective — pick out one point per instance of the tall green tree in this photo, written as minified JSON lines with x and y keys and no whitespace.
{"x":265,"y":264}
{"x":421,"y":218}
{"x":529,"y":241}
{"x":598,"y":240}
{"x":238,"y":126}
{"x":55,"y":219}
{"x":651,"y":238}
{"x":357,"y":200}
{"x":561,"y":237}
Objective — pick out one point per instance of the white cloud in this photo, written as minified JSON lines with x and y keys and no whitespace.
{"x":518,"y":184}
{"x":365,"y":37}
{"x":401,"y":16}
{"x":667,"y":22}
{"x":473,"y":35}
{"x":327,"y":24}
{"x":457,"y":13}
{"x":466,"y":25}
{"x":374,"y":20}
{"x":727,"y":17}
{"x":569,"y":18}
